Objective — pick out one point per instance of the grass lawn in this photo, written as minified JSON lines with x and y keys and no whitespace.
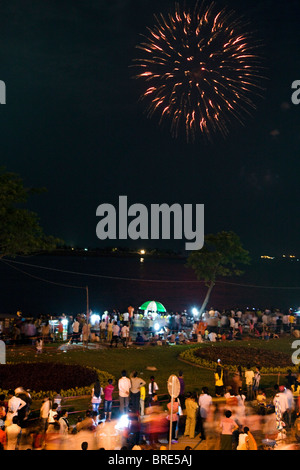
{"x":163,"y":358}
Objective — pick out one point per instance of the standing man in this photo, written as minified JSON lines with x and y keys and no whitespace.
{"x":103,"y":327}
{"x":60,"y":330}
{"x":125,"y":318}
{"x":136,"y":384}
{"x":249,"y":376}
{"x":191,"y":415}
{"x":291,"y":406}
{"x":115,"y":334}
{"x":24,"y":411}
{"x":131,"y":312}
{"x":44,"y":412}
{"x":124,"y":386}
{"x":281,"y":404}
{"x":75,"y":330}
{"x":110,"y":325}
{"x":85,"y":333}
{"x":125,"y":334}
{"x":256,"y":381}
{"x":205,"y":402}
{"x":182,"y":390}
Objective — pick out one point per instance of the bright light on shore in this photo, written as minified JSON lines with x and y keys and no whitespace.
{"x":123,"y":422}
{"x":94,"y":318}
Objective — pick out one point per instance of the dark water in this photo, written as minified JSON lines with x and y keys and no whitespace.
{"x":20,"y":291}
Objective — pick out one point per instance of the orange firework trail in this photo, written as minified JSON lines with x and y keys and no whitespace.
{"x":201,"y":70}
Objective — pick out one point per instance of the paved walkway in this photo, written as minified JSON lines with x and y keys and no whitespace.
{"x":196,"y":444}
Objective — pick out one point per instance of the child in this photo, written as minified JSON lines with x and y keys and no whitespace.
{"x":261,"y":401}
{"x":52,"y":417}
{"x":57,"y":399}
{"x":39,"y":345}
{"x":261,"y":398}
{"x":153,"y":388}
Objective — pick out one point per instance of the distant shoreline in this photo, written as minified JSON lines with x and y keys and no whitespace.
{"x":116,"y":253}
{"x":121,"y":252}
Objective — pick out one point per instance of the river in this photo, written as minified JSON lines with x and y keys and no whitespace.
{"x":57,"y":284}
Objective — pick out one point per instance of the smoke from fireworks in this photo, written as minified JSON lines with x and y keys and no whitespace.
{"x":201,"y":70}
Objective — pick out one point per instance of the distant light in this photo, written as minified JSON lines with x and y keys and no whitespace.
{"x":195,"y":311}
{"x":141,"y":260}
{"x":123,"y":422}
{"x":94,"y":318}
{"x":156,"y":326}
{"x":86,"y":249}
{"x":65,"y":321}
{"x":142,"y":252}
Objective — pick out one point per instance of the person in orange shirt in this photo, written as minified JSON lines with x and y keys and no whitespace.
{"x":60,"y":330}
{"x":201,"y":328}
{"x":2,"y":437}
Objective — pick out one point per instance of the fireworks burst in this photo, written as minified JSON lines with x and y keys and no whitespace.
{"x":201,"y":70}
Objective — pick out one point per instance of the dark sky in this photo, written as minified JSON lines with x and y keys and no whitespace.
{"x":73,"y":124}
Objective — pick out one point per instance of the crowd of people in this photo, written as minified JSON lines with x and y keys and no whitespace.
{"x":134,"y":327}
{"x":238,"y":416}
{"x":181,"y":328}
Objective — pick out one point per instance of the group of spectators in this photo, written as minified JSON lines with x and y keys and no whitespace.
{"x":239,"y":417}
{"x":179,"y":328}
{"x":169,"y":328}
{"x":234,"y":324}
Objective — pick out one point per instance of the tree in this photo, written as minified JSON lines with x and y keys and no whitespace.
{"x":20,"y":230}
{"x":220,"y":256}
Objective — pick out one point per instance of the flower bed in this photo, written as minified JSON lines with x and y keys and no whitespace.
{"x":48,"y":379}
{"x":269,"y":361}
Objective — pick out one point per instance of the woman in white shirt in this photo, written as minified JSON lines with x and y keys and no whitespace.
{"x":14,"y":405}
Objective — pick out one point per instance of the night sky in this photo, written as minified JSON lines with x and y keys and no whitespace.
{"x":73,"y":123}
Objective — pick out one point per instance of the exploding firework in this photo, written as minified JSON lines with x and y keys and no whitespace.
{"x":201,"y":70}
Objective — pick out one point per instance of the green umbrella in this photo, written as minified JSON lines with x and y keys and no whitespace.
{"x":153,"y":306}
